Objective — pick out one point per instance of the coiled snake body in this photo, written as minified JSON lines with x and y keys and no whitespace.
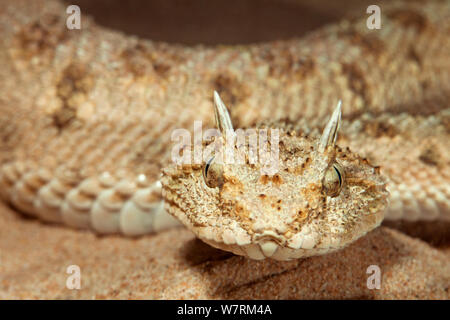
{"x":86,"y":124}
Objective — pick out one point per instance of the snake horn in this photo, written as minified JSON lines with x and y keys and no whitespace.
{"x":329,"y":134}
{"x":223,"y":119}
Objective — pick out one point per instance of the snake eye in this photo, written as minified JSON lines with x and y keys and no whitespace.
{"x":213,"y":174}
{"x":333,"y":180}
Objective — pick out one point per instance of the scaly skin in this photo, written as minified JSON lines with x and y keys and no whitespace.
{"x":291,"y":213}
{"x":285,"y":214}
{"x":86,"y":116}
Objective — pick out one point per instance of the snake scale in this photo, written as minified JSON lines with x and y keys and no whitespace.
{"x":86,"y":119}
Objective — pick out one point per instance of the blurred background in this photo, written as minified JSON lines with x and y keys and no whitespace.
{"x":219,"y":21}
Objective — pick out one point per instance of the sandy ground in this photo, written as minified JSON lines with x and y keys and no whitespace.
{"x":174,"y":265}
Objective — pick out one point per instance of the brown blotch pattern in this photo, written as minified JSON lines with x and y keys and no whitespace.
{"x":313,"y":195}
{"x":409,"y":18}
{"x":72,"y":91}
{"x":446,"y":122}
{"x":413,"y":55}
{"x":264,"y":179}
{"x":231,"y":90}
{"x":239,"y":212}
{"x":275,"y":179}
{"x":430,"y":156}
{"x":379,"y":129}
{"x":41,"y":37}
{"x":299,"y":170}
{"x":285,"y":63}
{"x":142,"y":60}
{"x":302,"y":214}
{"x":369,"y":43}
{"x":356,"y":80}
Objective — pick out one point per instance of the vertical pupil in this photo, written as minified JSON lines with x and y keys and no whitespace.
{"x":339,"y":175}
{"x":208,"y":164}
{"x":206,"y":169}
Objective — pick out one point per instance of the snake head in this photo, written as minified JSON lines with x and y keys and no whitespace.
{"x":318,"y":199}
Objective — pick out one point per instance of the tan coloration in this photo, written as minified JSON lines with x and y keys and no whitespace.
{"x":234,"y":217}
{"x":142,"y":62}
{"x":409,"y":18}
{"x":231,"y":89}
{"x":176,"y":265}
{"x":377,"y":129}
{"x":275,"y":179}
{"x":416,"y":160}
{"x":339,"y":275}
{"x":357,"y":82}
{"x":370,"y":44}
{"x":286,"y":63}
{"x":298,"y":170}
{"x":72,"y":90}
{"x":40,"y":37}
{"x":128,"y":116}
{"x":431,"y":156}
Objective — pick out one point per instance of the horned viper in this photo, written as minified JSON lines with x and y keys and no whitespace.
{"x":86,"y":127}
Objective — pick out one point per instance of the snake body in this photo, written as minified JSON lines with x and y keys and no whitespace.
{"x":86,"y":122}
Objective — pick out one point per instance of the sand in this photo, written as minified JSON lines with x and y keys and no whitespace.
{"x":34,"y":257}
{"x":175,"y":265}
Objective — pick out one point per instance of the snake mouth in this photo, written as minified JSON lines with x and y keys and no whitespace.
{"x":269,"y":241}
{"x":270,"y":235}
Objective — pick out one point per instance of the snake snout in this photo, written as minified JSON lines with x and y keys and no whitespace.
{"x":269,"y":241}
